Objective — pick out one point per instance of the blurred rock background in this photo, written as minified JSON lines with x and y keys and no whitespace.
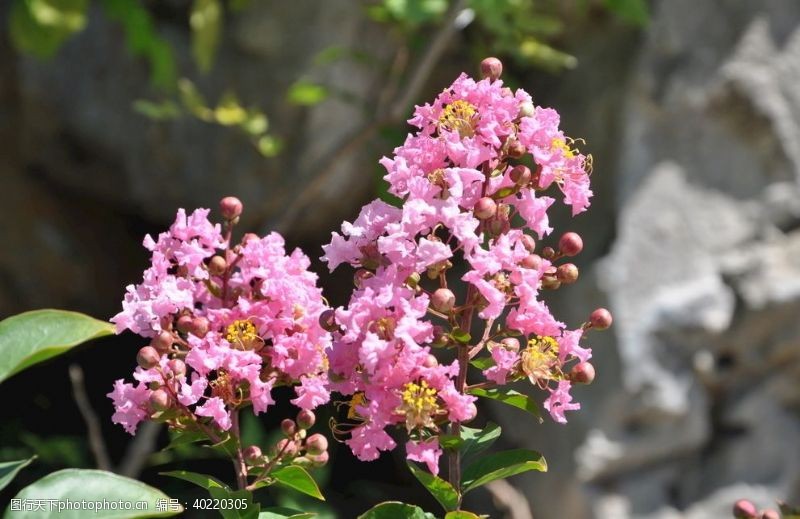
{"x":693,"y":240}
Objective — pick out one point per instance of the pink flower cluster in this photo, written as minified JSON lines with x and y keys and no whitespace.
{"x":226,"y":323}
{"x":466,"y":190}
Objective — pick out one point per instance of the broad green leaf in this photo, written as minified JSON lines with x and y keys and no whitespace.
{"x":251,"y":509}
{"x":280,"y":512}
{"x":439,"y":488}
{"x":460,"y":335}
{"x":10,"y":469}
{"x":305,"y":93}
{"x":33,"y":337}
{"x":205,"y":20}
{"x":40,"y":27}
{"x":395,"y":510}
{"x":482,"y":362}
{"x":202,"y":480}
{"x":299,"y":479}
{"x":184,"y":438}
{"x":94,"y":485}
{"x":632,"y":11}
{"x":501,"y":465}
{"x":478,"y":440}
{"x":461,"y":514}
{"x":450,"y":441}
{"x":510,"y":397}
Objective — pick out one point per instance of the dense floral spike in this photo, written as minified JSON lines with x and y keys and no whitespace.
{"x":227,"y":323}
{"x":476,"y":179}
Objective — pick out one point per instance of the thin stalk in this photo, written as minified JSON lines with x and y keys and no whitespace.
{"x":239,"y":465}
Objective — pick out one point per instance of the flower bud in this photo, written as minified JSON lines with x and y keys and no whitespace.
{"x":528,"y":242}
{"x":316,"y":444}
{"x":532,"y":261}
{"x":306,"y":419}
{"x":567,"y":273}
{"x":510,"y":343}
{"x":443,"y":300}
{"x":288,"y":427}
{"x":516,"y":149}
{"x":319,"y":460}
{"x":252,"y":455}
{"x":287,"y":447}
{"x":413,"y":280}
{"x":303,"y":461}
{"x":163,"y":342}
{"x":550,"y":283}
{"x":769,"y":513}
{"x":148,"y":357}
{"x":491,"y":68}
{"x":526,"y":109}
{"x":570,"y":244}
{"x":440,"y":337}
{"x":360,"y":276}
{"x":217,"y":265}
{"x":744,"y":509}
{"x":431,"y":361}
{"x":230,"y":207}
{"x":159,"y":400}
{"x":485,"y":208}
{"x":548,"y":253}
{"x":601,"y":319}
{"x":520,"y":175}
{"x":327,"y":320}
{"x":582,"y":373}
{"x":199,"y":327}
{"x":177,"y":367}
{"x":184,"y":323}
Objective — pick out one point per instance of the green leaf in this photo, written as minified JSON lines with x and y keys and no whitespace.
{"x":304,"y":93}
{"x":439,"y":488}
{"x":450,"y":441}
{"x":281,"y":512}
{"x":33,"y":337}
{"x":509,"y":397}
{"x":501,"y":465}
{"x":478,"y":440}
{"x":395,"y":510}
{"x":415,"y":12}
{"x":482,"y":362}
{"x":461,"y":514}
{"x":93,"y":485}
{"x":205,"y":20}
{"x":460,"y":335}
{"x":158,"y":111}
{"x":184,"y":438}
{"x":299,"y":479}
{"x":40,"y":27}
{"x":632,"y":11}
{"x":201,"y":480}
{"x":10,"y":469}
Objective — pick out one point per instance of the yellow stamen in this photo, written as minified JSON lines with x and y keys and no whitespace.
{"x":540,"y":359}
{"x":459,"y":116}
{"x":241,"y":333}
{"x":358,"y":400}
{"x":419,"y":405}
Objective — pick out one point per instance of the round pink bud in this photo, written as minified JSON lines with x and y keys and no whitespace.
{"x":516,"y":149}
{"x":199,"y":327}
{"x":252,"y":455}
{"x":601,"y":319}
{"x":288,"y":427}
{"x":177,"y":367}
{"x":769,"y":513}
{"x":443,"y":300}
{"x":528,"y":242}
{"x":548,"y":253}
{"x":160,"y":400}
{"x":526,"y":109}
{"x":485,"y":208}
{"x":532,"y":261}
{"x":550,"y":283}
{"x":567,"y":273}
{"x":520,"y":175}
{"x":327,"y":320}
{"x":230,"y":207}
{"x":184,"y":323}
{"x":217,"y":265}
{"x":744,"y":509}
{"x":440,"y":337}
{"x":570,"y":244}
{"x":510,"y":343}
{"x":148,"y":357}
{"x":162,"y":342}
{"x":582,"y":373}
{"x":287,"y":447}
{"x":491,"y":68}
{"x":319,"y":460}
{"x":316,"y":444}
{"x":306,"y":419}
{"x":431,"y":361}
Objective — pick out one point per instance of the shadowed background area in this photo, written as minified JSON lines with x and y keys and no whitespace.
{"x":692,"y":113}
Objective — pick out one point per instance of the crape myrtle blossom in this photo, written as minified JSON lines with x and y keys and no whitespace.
{"x":467,"y":195}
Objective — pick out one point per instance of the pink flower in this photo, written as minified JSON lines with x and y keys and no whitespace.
{"x":215,"y":408}
{"x":368,"y":440}
{"x":427,"y":452}
{"x":311,"y":393}
{"x":130,"y":404}
{"x":191,"y":393}
{"x":559,"y":401}
{"x":504,"y":362}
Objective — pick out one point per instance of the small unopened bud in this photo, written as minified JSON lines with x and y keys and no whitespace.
{"x":303,"y":461}
{"x":253,"y":455}
{"x":440,"y":337}
{"x":567,"y":273}
{"x":288,"y":427}
{"x":532,"y":261}
{"x":528,"y":242}
{"x":510,"y":343}
{"x":431,"y":361}
{"x":744,"y":509}
{"x":360,"y":276}
{"x":217,"y":265}
{"x":516,"y":149}
{"x":230,"y":207}
{"x":485,"y":208}
{"x":148,"y":357}
{"x":320,"y":459}
{"x":306,"y":419}
{"x":769,"y":513}
{"x":316,"y":444}
{"x":570,"y":244}
{"x":520,"y":175}
{"x":184,"y":323}
{"x":582,"y":373}
{"x":550,"y":283}
{"x":287,"y":447}
{"x":443,"y":300}
{"x":199,"y":327}
{"x":526,"y":109}
{"x":548,"y":253}
{"x":413,"y":280}
{"x":491,"y":68}
{"x":177,"y":367}
{"x":327,"y":320}
{"x":601,"y":319}
{"x":162,"y":342}
{"x":159,"y":400}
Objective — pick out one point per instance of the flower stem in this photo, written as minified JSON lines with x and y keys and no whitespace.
{"x":239,"y":465}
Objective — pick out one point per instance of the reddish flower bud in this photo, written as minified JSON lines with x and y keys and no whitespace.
{"x":288,"y":427}
{"x":177,"y":367}
{"x":253,"y":455}
{"x":570,"y":244}
{"x":287,"y":447}
{"x":516,"y":149}
{"x":532,"y":261}
{"x":306,"y":419}
{"x":327,"y":320}
{"x":582,"y":373}
{"x":528,"y":242}
{"x":162,"y":342}
{"x":217,"y":265}
{"x":491,"y":68}
{"x":510,"y":343}
{"x":550,"y":283}
{"x":199,"y":327}
{"x":744,"y":509}
{"x":769,"y":513}
{"x":443,"y":300}
{"x":319,"y":460}
{"x":520,"y":175}
{"x":316,"y":444}
{"x":159,"y":400}
{"x":567,"y":273}
{"x":548,"y":253}
{"x":431,"y":362}
{"x":601,"y":319}
{"x":485,"y":208}
{"x":440,"y":337}
{"x":148,"y":357}
{"x":184,"y":323}
{"x":230,"y":207}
